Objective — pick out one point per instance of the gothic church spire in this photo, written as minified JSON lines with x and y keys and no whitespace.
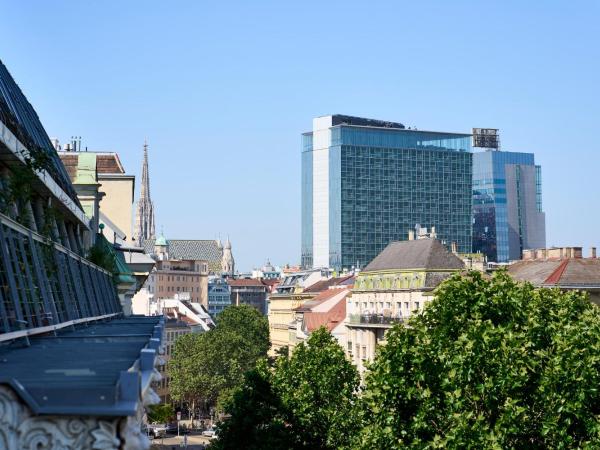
{"x":144,"y":215}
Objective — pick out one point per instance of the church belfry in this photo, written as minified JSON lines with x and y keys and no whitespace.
{"x":144,"y":215}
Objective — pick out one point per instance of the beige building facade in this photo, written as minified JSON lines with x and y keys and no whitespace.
{"x":293,"y":292}
{"x":100,"y":177}
{"x":177,"y":276}
{"x":399,"y":282}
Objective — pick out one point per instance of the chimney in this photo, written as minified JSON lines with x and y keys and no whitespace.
{"x":453,"y":247}
{"x":593,"y":252}
{"x":432,"y":234}
{"x":411,"y":235}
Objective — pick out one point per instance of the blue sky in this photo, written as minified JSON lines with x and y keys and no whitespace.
{"x":222,"y":90}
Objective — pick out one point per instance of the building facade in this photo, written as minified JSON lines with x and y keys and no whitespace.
{"x":267,"y":272}
{"x":219,"y":295}
{"x":292,"y":292}
{"x":77,"y":373}
{"x":208,"y":250}
{"x":173,"y":275}
{"x":249,"y":291}
{"x":366,"y":182}
{"x":327,"y":309}
{"x":396,"y":284}
{"x":507,"y":205}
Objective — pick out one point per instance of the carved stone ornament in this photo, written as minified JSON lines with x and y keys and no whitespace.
{"x":20,"y":430}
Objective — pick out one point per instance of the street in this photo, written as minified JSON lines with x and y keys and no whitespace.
{"x":194,"y":442}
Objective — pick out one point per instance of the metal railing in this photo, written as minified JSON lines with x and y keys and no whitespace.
{"x":375,"y":319}
{"x":45,"y":286}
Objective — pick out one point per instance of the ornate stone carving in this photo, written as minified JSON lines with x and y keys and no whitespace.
{"x":20,"y":430}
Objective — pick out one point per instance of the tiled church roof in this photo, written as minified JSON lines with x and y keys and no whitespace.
{"x":196,"y":249}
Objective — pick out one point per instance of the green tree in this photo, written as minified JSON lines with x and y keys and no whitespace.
{"x":185,"y":379}
{"x":250,"y":324}
{"x":258,"y":420}
{"x":489,"y":364}
{"x":209,"y":365}
{"x":160,"y":413}
{"x":307,"y":401}
{"x":319,"y":385}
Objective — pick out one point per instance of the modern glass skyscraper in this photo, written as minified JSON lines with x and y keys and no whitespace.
{"x":507,"y":204}
{"x":368,"y":182}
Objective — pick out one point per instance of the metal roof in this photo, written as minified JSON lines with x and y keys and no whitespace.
{"x":95,"y":370}
{"x":417,"y":254}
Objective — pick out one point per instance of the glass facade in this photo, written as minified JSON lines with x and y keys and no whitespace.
{"x":507,"y":204}
{"x":381,"y":183}
{"x":307,"y":200}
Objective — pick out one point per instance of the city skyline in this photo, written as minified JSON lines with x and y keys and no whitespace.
{"x":259,"y":85}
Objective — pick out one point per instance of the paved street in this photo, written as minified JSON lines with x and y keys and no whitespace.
{"x":194,"y":442}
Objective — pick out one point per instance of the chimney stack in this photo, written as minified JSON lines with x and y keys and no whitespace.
{"x":411,"y":235}
{"x":453,"y":247}
{"x":593,"y":252}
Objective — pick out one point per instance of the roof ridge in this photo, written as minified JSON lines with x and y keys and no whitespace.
{"x":430,"y":250}
{"x":556,"y":274}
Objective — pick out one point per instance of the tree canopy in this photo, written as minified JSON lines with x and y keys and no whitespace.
{"x":304,"y":402}
{"x":249,"y":323}
{"x":489,"y":364}
{"x":208,"y":365}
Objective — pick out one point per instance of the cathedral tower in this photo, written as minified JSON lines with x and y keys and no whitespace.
{"x":144,"y":215}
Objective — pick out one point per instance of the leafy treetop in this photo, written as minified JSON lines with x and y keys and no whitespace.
{"x":491,"y":363}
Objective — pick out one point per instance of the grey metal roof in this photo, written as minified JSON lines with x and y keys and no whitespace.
{"x":197,"y":249}
{"x":86,"y":371}
{"x":418,"y":254}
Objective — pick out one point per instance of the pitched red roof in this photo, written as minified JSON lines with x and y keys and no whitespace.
{"x":244,"y":282}
{"x":329,"y":319}
{"x":326,"y":284}
{"x":320,"y":298}
{"x":108,"y":163}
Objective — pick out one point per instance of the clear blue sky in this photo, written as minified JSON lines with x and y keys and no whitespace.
{"x":223,"y":90}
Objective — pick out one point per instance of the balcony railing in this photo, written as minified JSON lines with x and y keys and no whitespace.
{"x":374,"y":319}
{"x":44,"y":286}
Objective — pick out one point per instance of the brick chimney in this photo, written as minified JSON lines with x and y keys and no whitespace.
{"x":593,"y":252}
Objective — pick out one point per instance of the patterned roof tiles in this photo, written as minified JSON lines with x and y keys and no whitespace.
{"x":191,"y":249}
